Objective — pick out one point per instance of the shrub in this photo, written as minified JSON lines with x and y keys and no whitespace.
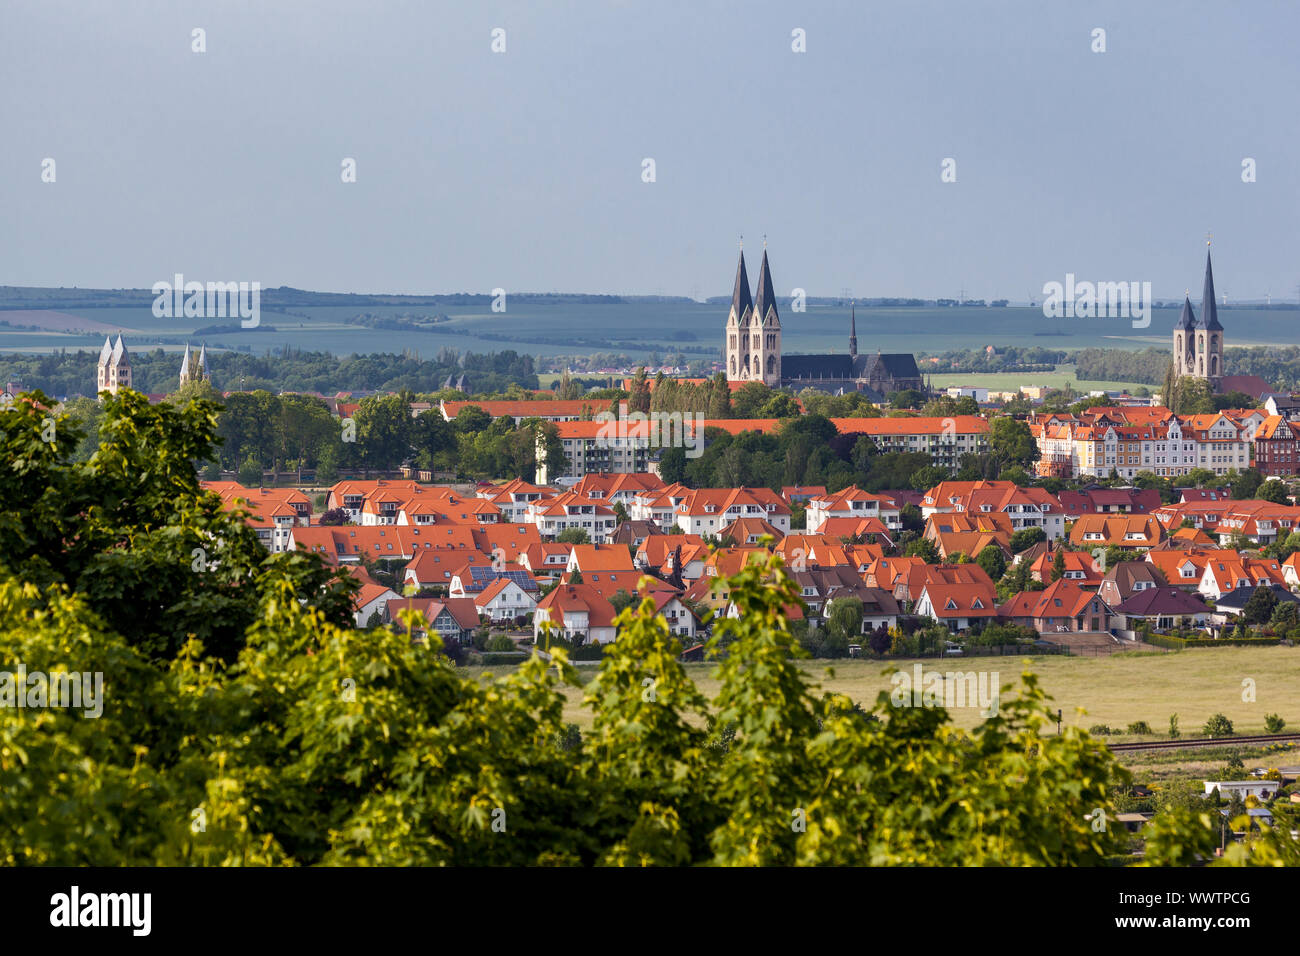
{"x":1217,"y":726}
{"x":1100,"y":730}
{"x":1173,"y":727}
{"x":333,"y":517}
{"x":1274,"y":723}
{"x":499,"y":642}
{"x":1139,"y":727}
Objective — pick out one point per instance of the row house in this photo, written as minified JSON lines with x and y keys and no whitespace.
{"x":546,"y":558}
{"x":864,"y":529}
{"x":751,"y":531}
{"x":350,"y":495}
{"x":1183,"y":569}
{"x":1081,"y":567}
{"x":945,"y":439}
{"x":659,"y":505}
{"x":1230,"y":572}
{"x":852,"y":502}
{"x":1204,"y":514}
{"x":1223,"y":445}
{"x":968,"y":534}
{"x":1123,"y":531}
{"x":1277,"y":447}
{"x":920,"y":577}
{"x":569,"y":510}
{"x":1262,"y":522}
{"x":513,"y":498}
{"x":618,"y":487}
{"x":708,"y":510}
{"x":655,"y":550}
{"x":1128,"y":441}
{"x":272,"y":513}
{"x":1102,"y":501}
{"x":1023,"y":507}
{"x":548,"y":410}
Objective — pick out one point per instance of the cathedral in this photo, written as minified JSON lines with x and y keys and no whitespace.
{"x":752,"y":350}
{"x":194,"y":368}
{"x":114,"y":370}
{"x":1198,"y":346}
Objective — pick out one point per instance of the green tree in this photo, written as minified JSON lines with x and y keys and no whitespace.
{"x":993,"y":561}
{"x":1259,"y":606}
{"x":1274,"y":491}
{"x":845,"y":619}
{"x":1217,"y":726}
{"x":1012,"y":443}
{"x":1058,"y":565}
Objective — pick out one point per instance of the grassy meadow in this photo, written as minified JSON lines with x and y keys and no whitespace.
{"x":1115,"y":691}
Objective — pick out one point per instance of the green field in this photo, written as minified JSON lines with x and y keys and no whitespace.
{"x":638,"y":328}
{"x":1008,"y":381}
{"x":1116,"y":690}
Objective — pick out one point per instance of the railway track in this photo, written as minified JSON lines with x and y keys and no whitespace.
{"x":1207,"y":742}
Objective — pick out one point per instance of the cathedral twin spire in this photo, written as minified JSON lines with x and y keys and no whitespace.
{"x":1198,"y":345}
{"x":753,"y":337}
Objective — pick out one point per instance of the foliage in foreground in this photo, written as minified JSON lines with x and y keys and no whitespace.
{"x":310,"y":742}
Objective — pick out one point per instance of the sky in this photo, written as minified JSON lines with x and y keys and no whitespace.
{"x":525,"y":169}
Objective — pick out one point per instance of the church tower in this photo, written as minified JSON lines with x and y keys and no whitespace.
{"x":1184,"y":334}
{"x":194,"y":368}
{"x":765,"y":331}
{"x":853,"y":332}
{"x":113,"y":372}
{"x":1209,"y":333}
{"x":737,"y":335}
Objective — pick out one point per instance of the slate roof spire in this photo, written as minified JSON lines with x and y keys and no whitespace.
{"x":1186,"y":321}
{"x":853,"y":331}
{"x":1209,"y":312}
{"x":766,"y":299}
{"x":740,"y":300}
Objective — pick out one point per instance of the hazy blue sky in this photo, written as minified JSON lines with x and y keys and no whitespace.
{"x":523,"y":169}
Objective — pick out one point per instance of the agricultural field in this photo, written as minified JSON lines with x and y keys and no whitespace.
{"x":1009,"y":381}
{"x":1116,"y":690}
{"x":635,"y":327}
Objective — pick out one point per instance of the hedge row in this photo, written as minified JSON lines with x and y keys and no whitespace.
{"x":1180,"y":643}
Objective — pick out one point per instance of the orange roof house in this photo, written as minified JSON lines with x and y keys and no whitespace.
{"x":957,"y":605}
{"x":1080,"y":567}
{"x":1125,"y":531}
{"x":1063,"y":606}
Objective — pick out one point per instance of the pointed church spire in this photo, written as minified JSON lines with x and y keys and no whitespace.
{"x":1186,"y":321}
{"x":185,"y":364}
{"x":766,"y":295}
{"x":853,"y":331}
{"x":741,"y":303}
{"x":1209,"y":312}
